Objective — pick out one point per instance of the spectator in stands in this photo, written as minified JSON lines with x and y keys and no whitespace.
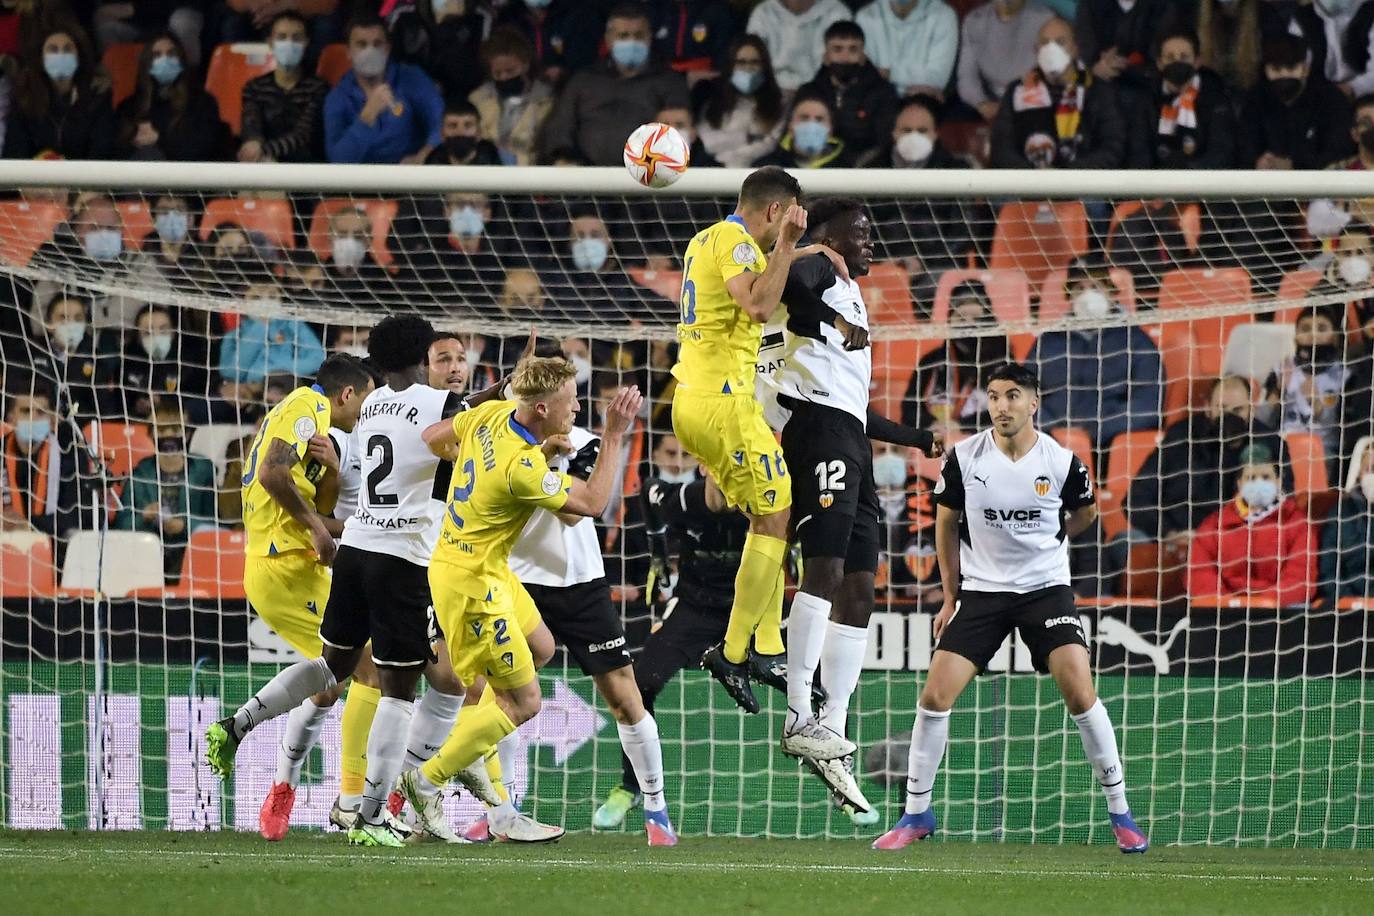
{"x":147,"y":20}
{"x":996,"y":39}
{"x":810,"y":142}
{"x":1229,"y":38}
{"x":441,"y":37}
{"x":1119,"y":40}
{"x":39,"y":489}
{"x":1304,"y":394}
{"x":603,"y":104}
{"x":1189,"y":123}
{"x":170,"y":494}
{"x":1347,"y":539}
{"x":455,"y":254}
{"x":57,"y":109}
{"x":1149,"y":242}
{"x":90,"y":245}
{"x":158,"y":362}
{"x":522,"y":296}
{"x":350,"y":339}
{"x":863,"y":103}
{"x":461,"y":133}
{"x":680,"y":118}
{"x":912,"y":42}
{"x":1348,"y":272}
{"x":511,"y":105}
{"x":739,"y":114}
{"x":947,"y":393}
{"x":793,"y":30}
{"x":1327,"y":218}
{"x":1349,"y":30}
{"x":1259,"y":544}
{"x":283,"y":110}
{"x":1197,"y":465}
{"x":262,"y":346}
{"x":351,"y":273}
{"x":914,"y":142}
{"x":590,"y":277}
{"x":381,"y":111}
{"x":171,"y":255}
{"x":1291,"y":121}
{"x":247,"y":20}
{"x":692,"y":36}
{"x":234,"y":402}
{"x":169,"y":116}
{"x":1058,"y":116}
{"x":1102,"y":380}
{"x":70,"y":355}
{"x":563,"y":33}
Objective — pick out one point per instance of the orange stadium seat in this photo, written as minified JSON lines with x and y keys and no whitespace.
{"x":1307,"y":457}
{"x":666,"y":283}
{"x":1197,"y":287}
{"x":25,"y":226}
{"x":120,"y":61}
{"x":271,"y":217}
{"x":138,"y":222}
{"x":26,"y":565}
{"x":124,"y":445}
{"x":887,"y":294}
{"x":1125,"y":458}
{"x":231,"y":66}
{"x":1183,"y":381}
{"x":381,"y":212}
{"x":334,"y":63}
{"x":1189,"y":219}
{"x":1077,"y":441}
{"x":1055,"y":305}
{"x":1008,"y":293}
{"x":1037,"y":236}
{"x":212,"y":566}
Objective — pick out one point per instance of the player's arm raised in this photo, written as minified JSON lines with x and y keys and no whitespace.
{"x":590,"y":498}
{"x":275,"y":475}
{"x":758,"y":295}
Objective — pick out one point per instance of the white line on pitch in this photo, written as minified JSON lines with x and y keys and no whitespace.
{"x":670,"y":865}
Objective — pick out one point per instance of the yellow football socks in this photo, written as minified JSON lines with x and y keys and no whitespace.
{"x":758,"y":599}
{"x":358,"y":711}
{"x":477,"y":733}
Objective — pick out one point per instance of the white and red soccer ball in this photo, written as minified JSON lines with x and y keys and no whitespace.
{"x":656,"y":155}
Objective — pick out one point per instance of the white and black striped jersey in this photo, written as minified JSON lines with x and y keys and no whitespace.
{"x":808,"y":360}
{"x":551,"y":553}
{"x":400,"y":500}
{"x":1011,"y":532}
{"x":350,"y":472}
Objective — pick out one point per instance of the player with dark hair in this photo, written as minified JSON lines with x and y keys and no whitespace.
{"x":729,"y":289}
{"x":1008,"y":500}
{"x":822,"y":383}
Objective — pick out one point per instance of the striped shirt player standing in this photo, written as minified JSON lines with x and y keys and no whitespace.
{"x":1008,"y":500}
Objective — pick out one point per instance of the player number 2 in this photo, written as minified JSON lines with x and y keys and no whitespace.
{"x":461,"y":494}
{"x":380,"y":472}
{"x":689,"y":295}
{"x":830,"y":475}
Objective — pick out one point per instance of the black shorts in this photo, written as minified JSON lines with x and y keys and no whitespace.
{"x":1046,"y":618}
{"x":383,"y":598}
{"x":585,"y":620}
{"x":835,"y":508}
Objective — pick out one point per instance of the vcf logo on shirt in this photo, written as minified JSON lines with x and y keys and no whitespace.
{"x":1042,"y":486}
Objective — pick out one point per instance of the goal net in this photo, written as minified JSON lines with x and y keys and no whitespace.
{"x":1203,"y":346}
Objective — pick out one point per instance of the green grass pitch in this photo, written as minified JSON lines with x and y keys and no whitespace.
{"x":315,"y":873}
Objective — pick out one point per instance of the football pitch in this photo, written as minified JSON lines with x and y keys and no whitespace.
{"x":315,"y":873}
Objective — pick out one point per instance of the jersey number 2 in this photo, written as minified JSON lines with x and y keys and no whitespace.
{"x":380,"y":472}
{"x":463,"y":493}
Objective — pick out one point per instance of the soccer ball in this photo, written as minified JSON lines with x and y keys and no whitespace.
{"x":656,"y":155}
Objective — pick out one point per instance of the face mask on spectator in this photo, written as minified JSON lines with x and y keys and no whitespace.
{"x":32,"y":432}
{"x":1318,"y":357}
{"x":1091,"y":304}
{"x":349,"y":251}
{"x":466,"y":222}
{"x":582,"y":370}
{"x":510,"y":88}
{"x":687,"y":475}
{"x":746,"y":82}
{"x":103,"y":244}
{"x":1354,"y":269}
{"x":889,"y":471}
{"x":810,"y":137}
{"x":1286,"y":88}
{"x":59,"y":65}
{"x":165,"y":69}
{"x":172,"y":225}
{"x":915,"y":148}
{"x":1178,"y":73}
{"x":171,"y":445}
{"x":265,"y":307}
{"x":844,"y":72}
{"x":1367,"y":485}
{"x":1259,"y":493}
{"x":69,"y":333}
{"x":537,"y":4}
{"x":590,"y":253}
{"x":630,"y":53}
{"x":288,"y":53}
{"x":157,"y":346}
{"x":460,"y":147}
{"x":358,"y":350}
{"x":1367,"y":139}
{"x":370,"y":62}
{"x":1053,"y":58}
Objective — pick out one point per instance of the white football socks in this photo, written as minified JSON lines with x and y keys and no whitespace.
{"x":928,"y":739}
{"x":435,"y":715}
{"x":303,"y":726}
{"x":805,"y":637}
{"x":385,"y":753}
{"x":508,"y":751}
{"x":842,"y":660}
{"x":640,"y":743}
{"x":1099,"y":743}
{"x":283,"y":693}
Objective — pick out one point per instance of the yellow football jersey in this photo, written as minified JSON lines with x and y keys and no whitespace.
{"x":719,"y":342}
{"x":499,"y":478}
{"x":271,"y":529}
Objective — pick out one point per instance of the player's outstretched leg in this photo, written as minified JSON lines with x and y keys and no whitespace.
{"x":277,"y":697}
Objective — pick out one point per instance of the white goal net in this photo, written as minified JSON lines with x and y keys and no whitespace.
{"x":1203,"y":343}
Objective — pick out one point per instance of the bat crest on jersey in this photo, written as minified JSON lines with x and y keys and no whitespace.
{"x":1042,"y":486}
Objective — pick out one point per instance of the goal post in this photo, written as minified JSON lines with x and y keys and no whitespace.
{"x":1236,"y":330}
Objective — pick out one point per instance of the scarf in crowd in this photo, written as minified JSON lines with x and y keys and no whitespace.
{"x":1181,"y":111}
{"x":45,"y":479}
{"x":1034,"y":92}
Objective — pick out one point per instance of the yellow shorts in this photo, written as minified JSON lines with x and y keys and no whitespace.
{"x":486,"y":636}
{"x":729,"y":436}
{"x":289,"y":591}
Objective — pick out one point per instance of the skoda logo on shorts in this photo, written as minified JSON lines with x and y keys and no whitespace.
{"x":1042,"y":486}
{"x":827,"y":499}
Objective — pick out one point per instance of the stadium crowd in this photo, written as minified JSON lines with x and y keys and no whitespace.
{"x":1149,"y":84}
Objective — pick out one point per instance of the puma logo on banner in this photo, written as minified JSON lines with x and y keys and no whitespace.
{"x":1113,"y":632}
